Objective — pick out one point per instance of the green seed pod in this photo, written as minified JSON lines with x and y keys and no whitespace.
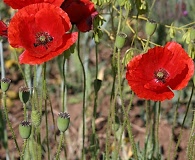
{"x":35,"y":118}
{"x":25,"y":129}
{"x":120,"y":40}
{"x":150,"y":27}
{"x":24,"y":94}
{"x":5,"y":83}
{"x":63,"y":121}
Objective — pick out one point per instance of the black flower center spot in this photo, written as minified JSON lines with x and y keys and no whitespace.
{"x":161,"y":75}
{"x":42,"y":39}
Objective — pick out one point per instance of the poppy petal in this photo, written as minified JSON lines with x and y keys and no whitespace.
{"x":155,"y":74}
{"x":3,"y":29}
{"x":42,"y":30}
{"x":83,"y":15}
{"x":27,"y":58}
{"x":18,"y":4}
{"x":181,"y":80}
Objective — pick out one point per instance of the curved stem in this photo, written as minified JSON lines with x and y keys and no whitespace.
{"x":84,"y":91}
{"x":95,"y":105}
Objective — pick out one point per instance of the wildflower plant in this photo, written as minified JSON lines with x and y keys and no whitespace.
{"x":150,"y":60}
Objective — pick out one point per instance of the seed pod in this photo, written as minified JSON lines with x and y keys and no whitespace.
{"x":63,"y":121}
{"x":5,"y":83}
{"x":25,"y":129}
{"x":150,"y":27}
{"x":120,"y":40}
{"x":24,"y":94}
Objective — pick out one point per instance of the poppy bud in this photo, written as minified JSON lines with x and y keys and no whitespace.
{"x":120,"y":40}
{"x":150,"y":27}
{"x":97,"y":85}
{"x":24,"y":94}
{"x":25,"y":129}
{"x":5,"y":83}
{"x":63,"y":121}
{"x":35,"y":118}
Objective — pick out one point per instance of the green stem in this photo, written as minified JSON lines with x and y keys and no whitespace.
{"x":23,"y":149}
{"x":59,"y":146}
{"x":129,"y":128}
{"x":84,"y":88}
{"x":20,"y":68}
{"x":148,"y":127}
{"x":9,"y":123}
{"x":173,"y":127}
{"x":182,"y":126}
{"x":38,"y":145}
{"x":125,"y":122}
{"x":25,"y":112}
{"x":95,"y":107}
{"x":64,"y":93}
{"x":157,"y":127}
{"x":45,"y":100}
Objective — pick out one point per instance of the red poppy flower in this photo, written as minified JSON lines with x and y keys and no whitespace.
{"x":40,"y":29}
{"x":3,"y":29}
{"x":18,"y":4}
{"x":81,"y":13}
{"x":155,"y":74}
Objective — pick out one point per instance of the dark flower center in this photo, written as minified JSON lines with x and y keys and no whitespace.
{"x":161,"y":75}
{"x":42,"y":39}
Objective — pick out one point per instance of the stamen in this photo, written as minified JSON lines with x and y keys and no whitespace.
{"x":161,"y":75}
{"x":42,"y":38}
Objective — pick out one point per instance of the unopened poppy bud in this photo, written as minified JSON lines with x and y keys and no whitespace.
{"x":35,"y":118}
{"x":25,"y":129}
{"x":5,"y":83}
{"x":24,"y":94}
{"x":150,"y":27}
{"x":63,"y":121}
{"x":120,"y":40}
